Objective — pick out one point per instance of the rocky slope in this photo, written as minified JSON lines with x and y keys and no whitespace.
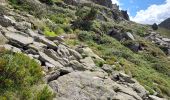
{"x":72,"y":72}
{"x":165,"y":24}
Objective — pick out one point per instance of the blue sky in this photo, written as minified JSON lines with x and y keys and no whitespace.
{"x":135,"y":5}
{"x":146,"y":11}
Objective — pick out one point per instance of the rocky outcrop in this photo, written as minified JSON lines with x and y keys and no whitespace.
{"x":165,"y":24}
{"x":107,"y":10}
{"x":71,"y":73}
{"x":91,"y":86}
{"x":162,"y":42}
{"x":107,"y":3}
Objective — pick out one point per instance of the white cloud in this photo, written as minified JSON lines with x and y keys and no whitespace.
{"x":153,"y":14}
{"x":115,"y":2}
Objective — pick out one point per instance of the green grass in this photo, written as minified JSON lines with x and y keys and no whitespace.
{"x":164,"y":32}
{"x":149,"y":67}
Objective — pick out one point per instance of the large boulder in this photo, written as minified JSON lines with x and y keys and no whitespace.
{"x":117,"y":34}
{"x":90,"y":86}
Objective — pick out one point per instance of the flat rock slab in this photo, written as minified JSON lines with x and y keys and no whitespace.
{"x":46,"y":58}
{"x":18,"y":38}
{"x":90,"y":86}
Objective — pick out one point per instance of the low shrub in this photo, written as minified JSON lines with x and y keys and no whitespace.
{"x":18,"y":73}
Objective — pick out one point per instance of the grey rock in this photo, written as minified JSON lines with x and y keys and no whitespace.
{"x":44,"y":40}
{"x":88,"y":62}
{"x":77,"y":66}
{"x":63,"y":51}
{"x":6,"y":21}
{"x":52,"y":76}
{"x":120,"y":76}
{"x":152,"y":97}
{"x":90,"y":86}
{"x":108,"y":68}
{"x":75,"y":54}
{"x":51,"y":53}
{"x":48,"y":65}
{"x":16,"y":39}
{"x":166,"y":39}
{"x":129,"y":36}
{"x":31,"y":51}
{"x":31,"y":33}
{"x":88,"y":52}
{"x":46,"y":58}
{"x":22,"y":26}
{"x":38,"y":46}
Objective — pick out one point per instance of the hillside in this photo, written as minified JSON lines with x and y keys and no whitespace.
{"x":165,"y":24}
{"x":79,"y":50}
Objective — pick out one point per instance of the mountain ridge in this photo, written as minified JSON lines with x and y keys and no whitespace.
{"x":165,"y":24}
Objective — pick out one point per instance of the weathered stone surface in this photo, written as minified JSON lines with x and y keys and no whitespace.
{"x":37,"y":46}
{"x":46,"y":58}
{"x":129,"y":36}
{"x":88,"y":62}
{"x":108,"y":68}
{"x":88,"y":86}
{"x":63,"y":51}
{"x":22,"y":26}
{"x":77,"y":66}
{"x":51,"y":53}
{"x":31,"y":33}
{"x":119,"y":76}
{"x":75,"y":54}
{"x":88,"y":52}
{"x":16,"y":39}
{"x":152,"y":97}
{"x":44,"y":40}
{"x":6,"y":21}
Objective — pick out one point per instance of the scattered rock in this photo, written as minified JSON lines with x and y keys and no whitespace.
{"x":21,"y":26}
{"x":63,"y":51}
{"x":45,"y":58}
{"x":108,"y":68}
{"x":3,"y":40}
{"x":44,"y":40}
{"x":75,"y":54}
{"x":6,"y":21}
